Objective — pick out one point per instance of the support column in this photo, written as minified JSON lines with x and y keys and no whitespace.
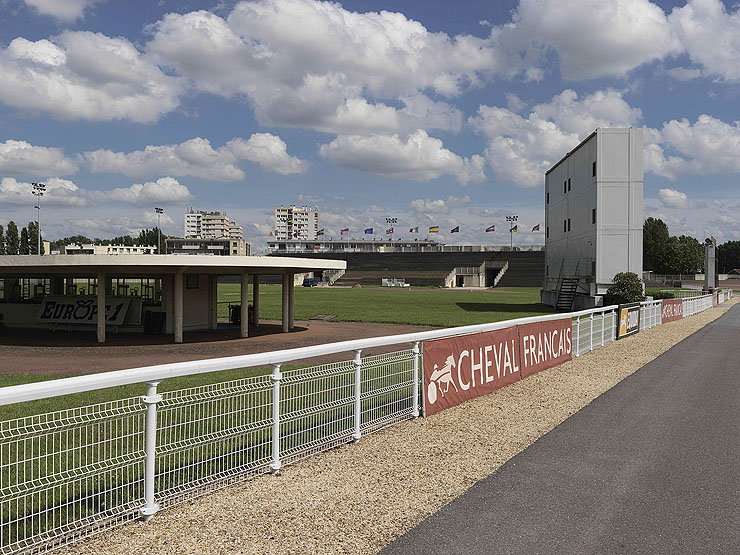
{"x":178,"y":301}
{"x":285,"y":303}
{"x":256,"y":300}
{"x":244,"y":320}
{"x":101,"y":307}
{"x":213,"y":316}
{"x":168,"y":304}
{"x":291,"y":294}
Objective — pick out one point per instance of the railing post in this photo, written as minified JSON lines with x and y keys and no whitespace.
{"x":275,"y":377}
{"x":358,"y":392}
{"x":603,"y":322}
{"x":578,"y":336}
{"x":415,"y":377}
{"x":591,"y":333}
{"x":150,"y":448}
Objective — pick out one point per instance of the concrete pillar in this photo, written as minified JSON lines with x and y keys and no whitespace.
{"x":101,"y":307}
{"x":168,"y":303}
{"x":244,"y":319}
{"x":256,"y":299}
{"x":56,"y":286}
{"x":285,"y":303}
{"x":291,"y":295}
{"x":213,"y":317}
{"x":178,"y":301}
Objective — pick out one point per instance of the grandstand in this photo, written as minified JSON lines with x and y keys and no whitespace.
{"x":430,"y":269}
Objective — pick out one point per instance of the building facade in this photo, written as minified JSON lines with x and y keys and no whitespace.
{"x":210,"y":225}
{"x":293,"y":222}
{"x":594,"y":216}
{"x":223,"y":246}
{"x":108,"y":249}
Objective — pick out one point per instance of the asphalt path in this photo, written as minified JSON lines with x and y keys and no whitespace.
{"x":651,"y":466}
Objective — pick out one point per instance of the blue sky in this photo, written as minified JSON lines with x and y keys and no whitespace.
{"x":435,"y":113}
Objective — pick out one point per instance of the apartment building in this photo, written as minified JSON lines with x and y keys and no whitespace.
{"x":293,"y":222}
{"x":108,"y":249}
{"x":210,"y":225}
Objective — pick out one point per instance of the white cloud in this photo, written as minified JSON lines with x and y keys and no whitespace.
{"x":710,"y":35}
{"x":593,"y":38}
{"x":22,"y":158}
{"x":66,"y":10}
{"x":438,"y":206}
{"x":419,"y":157}
{"x":269,"y":152}
{"x":83,"y":75}
{"x":673,"y":199}
{"x":708,"y":146}
{"x":520,"y":149}
{"x":59,"y":192}
{"x":163,"y":190}
{"x":121,"y":225}
{"x":197,"y":158}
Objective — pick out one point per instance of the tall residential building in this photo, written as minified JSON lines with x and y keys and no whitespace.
{"x":210,"y":225}
{"x":593,"y":212}
{"x":296,"y":223}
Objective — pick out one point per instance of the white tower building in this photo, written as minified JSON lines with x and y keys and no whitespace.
{"x":296,"y":223}
{"x":594,"y":217}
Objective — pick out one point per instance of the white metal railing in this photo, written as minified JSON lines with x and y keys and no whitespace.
{"x":651,"y":314}
{"x":681,"y":293}
{"x":69,"y":473}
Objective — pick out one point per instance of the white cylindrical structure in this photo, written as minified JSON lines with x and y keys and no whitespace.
{"x":358,"y":394}
{"x":285,"y":302}
{"x":178,"y":306}
{"x":256,"y":300}
{"x":101,"y":307}
{"x":150,"y":448}
{"x":244,"y":317}
{"x":276,"y":377}
{"x":415,"y":378}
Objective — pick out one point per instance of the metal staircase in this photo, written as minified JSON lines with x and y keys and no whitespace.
{"x":572,"y":272}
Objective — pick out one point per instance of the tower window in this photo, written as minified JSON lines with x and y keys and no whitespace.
{"x":593,"y":169}
{"x":569,"y":183}
{"x":568,"y":224}
{"x":565,"y":226}
{"x":565,"y":186}
{"x":593,"y":215}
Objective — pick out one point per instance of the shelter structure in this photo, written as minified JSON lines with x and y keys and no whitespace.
{"x":165,"y":293}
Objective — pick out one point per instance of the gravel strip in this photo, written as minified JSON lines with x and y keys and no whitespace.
{"x":358,"y":498}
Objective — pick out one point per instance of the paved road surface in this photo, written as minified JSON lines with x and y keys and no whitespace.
{"x":651,"y":466}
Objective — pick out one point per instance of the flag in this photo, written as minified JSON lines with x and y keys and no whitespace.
{"x":536,"y":228}
{"x":413,"y":230}
{"x":344,"y":231}
{"x":455,"y":229}
{"x":271,"y":234}
{"x":320,"y":232}
{"x":389,"y":231}
{"x":434,"y":229}
{"x":369,"y":231}
{"x":513,"y":229}
{"x":491,"y":228}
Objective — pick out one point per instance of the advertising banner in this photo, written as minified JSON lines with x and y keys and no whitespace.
{"x":460,"y":368}
{"x":82,"y":310}
{"x":672,"y":310}
{"x":629,"y":320}
{"x":543,"y":345}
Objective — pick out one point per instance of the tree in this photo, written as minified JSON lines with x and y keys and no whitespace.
{"x":33,"y":239}
{"x":2,"y":241}
{"x":627,"y":288}
{"x":655,"y":246}
{"x":11,"y":238}
{"x":23,"y":248}
{"x":728,"y":256}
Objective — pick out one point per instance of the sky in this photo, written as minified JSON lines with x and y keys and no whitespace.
{"x":435,"y":113}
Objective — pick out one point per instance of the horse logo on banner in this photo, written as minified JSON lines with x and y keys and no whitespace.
{"x":441,"y":379}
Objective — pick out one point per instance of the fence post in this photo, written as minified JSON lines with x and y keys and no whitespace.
{"x":578,"y":336}
{"x":358,"y":392}
{"x":591,"y":333}
{"x":150,"y":447}
{"x":415,"y":377}
{"x":603,"y":322}
{"x":275,"y":377}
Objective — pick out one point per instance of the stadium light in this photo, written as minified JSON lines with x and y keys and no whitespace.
{"x":511,"y":219}
{"x":38,"y":190}
{"x":159,"y":212}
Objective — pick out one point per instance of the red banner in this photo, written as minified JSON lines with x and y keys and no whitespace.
{"x":543,"y":345}
{"x":468,"y":366}
{"x":672,"y":310}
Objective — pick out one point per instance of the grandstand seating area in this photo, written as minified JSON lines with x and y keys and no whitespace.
{"x":429,"y":269}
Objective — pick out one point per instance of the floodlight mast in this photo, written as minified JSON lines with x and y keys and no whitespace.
{"x":159,"y":212}
{"x":511,"y":219}
{"x":38,"y":190}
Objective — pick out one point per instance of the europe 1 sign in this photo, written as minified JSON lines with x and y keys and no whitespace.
{"x":82,"y":310}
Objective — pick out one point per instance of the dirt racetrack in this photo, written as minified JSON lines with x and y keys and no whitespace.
{"x":64,"y":353}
